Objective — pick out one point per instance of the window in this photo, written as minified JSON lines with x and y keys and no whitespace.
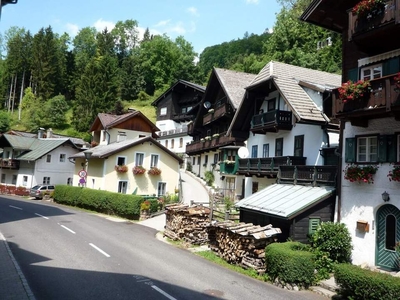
{"x":298,"y":145}
{"x":367,"y":149}
{"x":193,"y":161}
{"x":390,"y":232}
{"x":215,"y":158}
{"x":139,"y":159}
{"x":48,"y":158}
{"x":104,"y":135}
{"x":24,"y":180}
{"x":163,"y":111}
{"x":122,"y":187}
{"x":69,"y":181}
{"x":183,"y":110}
{"x":166,"y":143}
{"x":180,"y":142}
{"x":371,"y":72}
{"x":154,"y":160}
{"x":46,"y":180}
{"x":313,"y":224}
{"x":121,"y":160}
{"x":279,"y":147}
{"x":206,"y":159}
{"x":3,"y":178}
{"x":62,"y":158}
{"x":198,"y":160}
{"x":161,"y":189}
{"x":14,"y":179}
{"x":121,"y":136}
{"x":254,"y":150}
{"x":172,"y":143}
{"x":271,"y":105}
{"x":231,"y":155}
{"x":265,"y":152}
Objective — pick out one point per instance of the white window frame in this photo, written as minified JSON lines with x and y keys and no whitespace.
{"x":372,"y":70}
{"x":152,"y":158}
{"x":159,"y":187}
{"x":163,"y":111}
{"x":368,"y":144}
{"x":121,"y":136}
{"x":122,"y":186}
{"x":24,"y":180}
{"x":48,"y":158}
{"x":122,"y":158}
{"x":63,"y":157}
{"x":46,"y":180}
{"x":139,"y":163}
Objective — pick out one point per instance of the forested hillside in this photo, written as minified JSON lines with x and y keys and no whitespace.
{"x":51,"y":80}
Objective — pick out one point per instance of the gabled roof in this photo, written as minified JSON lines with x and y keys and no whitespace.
{"x":16,"y":142}
{"x":75,"y":140}
{"x":195,"y":86}
{"x":110,"y":120}
{"x":233,"y":83}
{"x":104,"y":151}
{"x":285,"y":200}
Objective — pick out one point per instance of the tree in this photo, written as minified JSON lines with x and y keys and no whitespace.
{"x":55,"y":112}
{"x":4,"y":121}
{"x":33,"y":114}
{"x":126,"y":37}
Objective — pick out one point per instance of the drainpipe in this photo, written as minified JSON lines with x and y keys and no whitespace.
{"x":339,"y":177}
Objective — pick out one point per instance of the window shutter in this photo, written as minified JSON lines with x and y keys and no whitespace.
{"x":391,"y":66}
{"x":350,"y":154}
{"x":353,"y":74}
{"x":382,"y":148}
{"x":313,"y":224}
{"x":391,"y":148}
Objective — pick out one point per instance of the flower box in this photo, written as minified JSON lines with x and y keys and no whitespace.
{"x":207,"y":138}
{"x":154,"y":171}
{"x":229,"y":162}
{"x":215,"y":135}
{"x":211,"y":110}
{"x":138,"y":170}
{"x":394,"y":174}
{"x":121,"y":168}
{"x":356,"y":173}
{"x":368,"y":8}
{"x":351,"y":91}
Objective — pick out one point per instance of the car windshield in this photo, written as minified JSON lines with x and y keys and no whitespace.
{"x":36,"y":187}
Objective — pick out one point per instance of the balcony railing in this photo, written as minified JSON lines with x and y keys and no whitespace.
{"x":182,"y":117}
{"x":9,"y":164}
{"x":217,"y":113}
{"x":267,"y":165}
{"x":308,"y":175}
{"x":209,"y":144}
{"x":359,"y":25}
{"x":271,"y":121}
{"x":173,"y":131}
{"x":384,"y":97}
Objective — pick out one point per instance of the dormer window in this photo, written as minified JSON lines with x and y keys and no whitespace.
{"x":163,"y":111}
{"x":121,"y":136}
{"x":371,"y":72}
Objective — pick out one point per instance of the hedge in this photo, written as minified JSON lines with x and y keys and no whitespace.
{"x":290,"y":262}
{"x":123,"y":205}
{"x":357,"y":283}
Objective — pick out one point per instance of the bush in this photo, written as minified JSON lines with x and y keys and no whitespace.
{"x":290,"y":262}
{"x":123,"y":205}
{"x":209,"y":178}
{"x":356,"y":283}
{"x":189,"y":166}
{"x":334,"y":239}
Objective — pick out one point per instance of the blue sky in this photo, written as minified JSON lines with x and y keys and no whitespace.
{"x":202,"y":22}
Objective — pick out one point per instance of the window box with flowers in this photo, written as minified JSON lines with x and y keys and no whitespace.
{"x":352,"y":91}
{"x":229,"y":162}
{"x":121,"y":168}
{"x":154,"y":171}
{"x":394,"y":174}
{"x":356,"y":173}
{"x":368,"y":8}
{"x":207,"y":138}
{"x":202,"y":140}
{"x":138,"y":170}
{"x":215,"y":135}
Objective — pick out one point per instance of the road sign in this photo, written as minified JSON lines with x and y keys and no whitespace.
{"x":82,"y":173}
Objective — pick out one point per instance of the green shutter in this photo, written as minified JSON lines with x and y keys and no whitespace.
{"x":350,"y":154}
{"x":392,"y":148}
{"x":353,"y":74}
{"x":391,"y":66}
{"x":382,"y":148}
{"x":313,"y":224}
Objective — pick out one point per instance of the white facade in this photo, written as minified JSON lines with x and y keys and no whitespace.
{"x":173,"y":135}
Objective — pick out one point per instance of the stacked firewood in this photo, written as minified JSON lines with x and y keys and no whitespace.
{"x":187,"y":223}
{"x":241,"y":243}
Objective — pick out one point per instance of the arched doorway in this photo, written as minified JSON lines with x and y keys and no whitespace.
{"x":388,"y":233}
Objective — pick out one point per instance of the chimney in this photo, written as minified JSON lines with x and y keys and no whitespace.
{"x":40,"y":133}
{"x":49,"y":133}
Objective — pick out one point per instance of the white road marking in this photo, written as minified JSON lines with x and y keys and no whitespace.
{"x":98,"y":249}
{"x":42,"y":216}
{"x":12,"y":206}
{"x":66,"y":228}
{"x":162,"y":292}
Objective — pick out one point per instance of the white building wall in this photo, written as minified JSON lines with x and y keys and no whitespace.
{"x":361,"y":201}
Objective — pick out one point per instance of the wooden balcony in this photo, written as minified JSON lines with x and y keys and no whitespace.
{"x":172,"y":132}
{"x":9,"y":164}
{"x":271,"y":121}
{"x":267,"y":166}
{"x":308,"y":175}
{"x":182,"y":117}
{"x":197,"y":147}
{"x":219,"y":112}
{"x":383,"y":101}
{"x":382,"y":26}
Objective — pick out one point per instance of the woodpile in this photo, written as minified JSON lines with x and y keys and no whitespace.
{"x":187,"y":223}
{"x":241,"y":243}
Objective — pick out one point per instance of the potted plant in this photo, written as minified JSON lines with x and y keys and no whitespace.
{"x":207,"y":138}
{"x":215,"y":135}
{"x":202,"y":140}
{"x":356,"y":173}
{"x":368,"y":8}
{"x":211,"y":110}
{"x":229,"y":162}
{"x":350,"y":91}
{"x":394,"y":174}
{"x":121,"y":168}
{"x":138,"y":170}
{"x":154,"y":171}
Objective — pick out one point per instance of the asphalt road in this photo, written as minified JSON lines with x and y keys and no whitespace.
{"x":70,"y":254}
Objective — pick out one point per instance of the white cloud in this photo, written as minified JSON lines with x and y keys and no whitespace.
{"x":193,"y":11}
{"x":162,"y":23}
{"x":72,"y":29}
{"x":101,"y":24}
{"x":252,"y":1}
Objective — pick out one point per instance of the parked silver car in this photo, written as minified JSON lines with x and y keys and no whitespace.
{"x":38,"y":191}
